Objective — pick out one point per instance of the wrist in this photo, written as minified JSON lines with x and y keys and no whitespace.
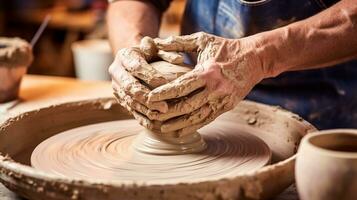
{"x":257,"y":56}
{"x":268,"y":50}
{"x":131,"y":41}
{"x":264,"y":54}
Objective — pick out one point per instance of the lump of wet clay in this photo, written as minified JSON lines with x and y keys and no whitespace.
{"x":15,"y":52}
{"x":169,"y":70}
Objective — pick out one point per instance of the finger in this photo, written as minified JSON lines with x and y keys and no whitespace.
{"x":134,"y":105}
{"x":171,"y":57}
{"x":134,"y":62}
{"x":142,"y":120}
{"x":148,"y":47}
{"x":211,"y":117}
{"x":133,"y":109}
{"x":122,"y":80}
{"x":186,"y":120}
{"x":186,"y":43}
{"x":211,"y":109}
{"x":184,"y":106}
{"x":147,"y":123}
{"x":180,"y":87}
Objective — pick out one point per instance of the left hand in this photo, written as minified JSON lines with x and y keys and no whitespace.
{"x":133,"y":78}
{"x":226,"y":70}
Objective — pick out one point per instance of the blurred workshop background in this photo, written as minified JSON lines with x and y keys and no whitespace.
{"x":74,"y":44}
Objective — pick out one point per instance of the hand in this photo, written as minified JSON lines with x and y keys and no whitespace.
{"x":226,"y":71}
{"x":131,"y":65}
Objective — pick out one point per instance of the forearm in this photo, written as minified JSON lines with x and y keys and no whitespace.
{"x":129,"y":21}
{"x":327,"y":38}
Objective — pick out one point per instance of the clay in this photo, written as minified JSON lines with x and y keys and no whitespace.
{"x":171,"y":57}
{"x":15,"y":52}
{"x":104,"y":151}
{"x":170,"y":71}
{"x":10,"y":82}
{"x":165,"y":144}
{"x":280,"y":129}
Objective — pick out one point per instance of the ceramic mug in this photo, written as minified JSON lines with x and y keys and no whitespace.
{"x":326,"y":165}
{"x":92,"y":59}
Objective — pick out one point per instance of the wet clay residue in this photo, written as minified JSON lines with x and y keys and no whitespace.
{"x":104,"y":151}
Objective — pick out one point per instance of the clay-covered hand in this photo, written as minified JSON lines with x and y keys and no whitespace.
{"x":226,"y":70}
{"x":131,"y":65}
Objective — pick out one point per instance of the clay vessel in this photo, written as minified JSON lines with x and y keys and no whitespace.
{"x":326,"y":167}
{"x":15,"y":57}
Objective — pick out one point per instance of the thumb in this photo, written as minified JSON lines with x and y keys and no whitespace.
{"x":185,"y":43}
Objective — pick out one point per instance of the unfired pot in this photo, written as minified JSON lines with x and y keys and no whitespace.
{"x":280,"y":129}
{"x":326,"y":167}
{"x":15,"y":57}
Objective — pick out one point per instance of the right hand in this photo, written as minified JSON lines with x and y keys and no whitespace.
{"x":131,"y":65}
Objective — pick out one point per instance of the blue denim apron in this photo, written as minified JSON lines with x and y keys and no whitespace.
{"x":325,"y":97}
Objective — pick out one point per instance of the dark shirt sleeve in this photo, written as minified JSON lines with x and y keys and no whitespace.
{"x":329,"y":3}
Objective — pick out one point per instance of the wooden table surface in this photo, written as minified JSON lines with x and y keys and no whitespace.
{"x":43,"y":91}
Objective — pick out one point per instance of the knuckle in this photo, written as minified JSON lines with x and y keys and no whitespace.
{"x":199,"y":34}
{"x":121,"y":52}
{"x":170,"y":39}
{"x":157,"y":41}
{"x":113,"y":68}
{"x":147,"y":41}
{"x":152,"y":115}
{"x":136,"y":91}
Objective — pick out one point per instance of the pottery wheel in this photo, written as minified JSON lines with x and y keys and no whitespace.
{"x":104,"y":151}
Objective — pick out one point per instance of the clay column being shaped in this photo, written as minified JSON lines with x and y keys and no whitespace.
{"x":155,"y":142}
